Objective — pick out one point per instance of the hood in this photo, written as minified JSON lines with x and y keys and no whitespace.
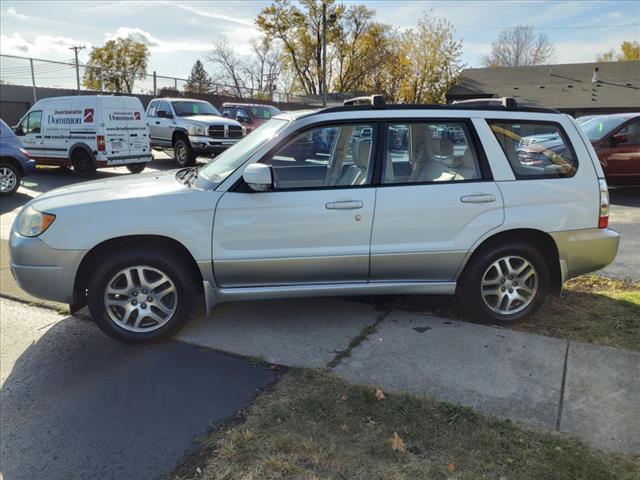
{"x":110,"y":190}
{"x":210,"y":120}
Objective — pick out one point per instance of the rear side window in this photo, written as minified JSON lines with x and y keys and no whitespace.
{"x":535,"y":149}
{"x":429,"y":153}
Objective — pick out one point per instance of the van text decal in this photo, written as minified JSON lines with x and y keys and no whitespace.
{"x":124,"y":116}
{"x":65,"y":117}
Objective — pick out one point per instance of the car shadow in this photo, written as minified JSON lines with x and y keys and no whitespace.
{"x":78,"y":404}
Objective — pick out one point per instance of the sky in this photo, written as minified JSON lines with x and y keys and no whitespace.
{"x":180,"y":32}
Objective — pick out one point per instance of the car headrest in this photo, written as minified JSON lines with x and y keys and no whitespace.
{"x":361,"y":150}
{"x":446,"y":147}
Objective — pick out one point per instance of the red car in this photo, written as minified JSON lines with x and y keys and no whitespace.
{"x":616,"y":140}
{"x":250,"y":115}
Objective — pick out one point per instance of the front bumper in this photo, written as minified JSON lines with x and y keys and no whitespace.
{"x":584,"y":251}
{"x":42,"y":271}
{"x":208,"y":145}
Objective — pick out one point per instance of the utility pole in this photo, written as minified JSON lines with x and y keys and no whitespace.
{"x":76,"y":49}
{"x":324,"y":53}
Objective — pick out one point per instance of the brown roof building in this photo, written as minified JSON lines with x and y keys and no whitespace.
{"x":574,"y":88}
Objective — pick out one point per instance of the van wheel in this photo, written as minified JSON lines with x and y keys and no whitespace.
{"x":83,"y":164}
{"x":183,"y":153}
{"x":141,"y":295}
{"x":505,"y":284}
{"x":136,"y":167}
{"x":9,"y":179}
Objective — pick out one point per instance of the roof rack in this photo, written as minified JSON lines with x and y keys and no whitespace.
{"x":375,"y":101}
{"x":508,"y":103}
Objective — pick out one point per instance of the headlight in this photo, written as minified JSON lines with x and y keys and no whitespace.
{"x":33,"y":222}
{"x":197,"y":130}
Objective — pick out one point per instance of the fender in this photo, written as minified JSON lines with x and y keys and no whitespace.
{"x":83,"y":146}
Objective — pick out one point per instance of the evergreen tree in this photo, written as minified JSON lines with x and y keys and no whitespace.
{"x":199,"y":81}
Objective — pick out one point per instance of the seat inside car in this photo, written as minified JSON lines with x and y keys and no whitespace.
{"x":356,"y":174}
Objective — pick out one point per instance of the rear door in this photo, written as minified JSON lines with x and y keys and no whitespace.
{"x":137,"y":129}
{"x":436,"y":198}
{"x":116,"y":117}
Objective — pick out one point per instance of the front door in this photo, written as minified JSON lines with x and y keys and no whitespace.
{"x":314,"y":227}
{"x":30,"y":134}
{"x":435,"y":200}
{"x":621,"y":155}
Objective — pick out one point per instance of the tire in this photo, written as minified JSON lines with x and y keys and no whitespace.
{"x":152,"y":315}
{"x":136,"y":167}
{"x":183,"y":153}
{"x":83,"y":164}
{"x":516,"y":298}
{"x":10,"y":179}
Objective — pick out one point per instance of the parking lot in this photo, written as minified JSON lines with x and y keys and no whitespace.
{"x":187,"y":389}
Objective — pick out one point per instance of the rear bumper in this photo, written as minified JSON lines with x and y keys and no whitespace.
{"x":584,"y":251}
{"x":42,"y":271}
{"x":124,"y":160}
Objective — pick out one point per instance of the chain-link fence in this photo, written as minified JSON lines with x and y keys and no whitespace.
{"x":35,"y":73}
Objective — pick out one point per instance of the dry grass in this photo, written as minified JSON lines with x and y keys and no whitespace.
{"x":315,"y":426}
{"x":592,"y":309}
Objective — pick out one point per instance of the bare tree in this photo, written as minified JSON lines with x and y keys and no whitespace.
{"x":519,"y":46}
{"x":266,"y":66}
{"x":232,"y":67}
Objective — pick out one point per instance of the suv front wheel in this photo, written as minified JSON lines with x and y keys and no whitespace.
{"x":505,"y":284}
{"x":138,"y":296}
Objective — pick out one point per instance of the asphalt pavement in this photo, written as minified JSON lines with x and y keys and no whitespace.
{"x":78,"y":405}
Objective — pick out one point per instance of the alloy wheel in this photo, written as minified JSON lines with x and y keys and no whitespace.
{"x":8,"y":179}
{"x":140,"y":298}
{"x":509,"y":285}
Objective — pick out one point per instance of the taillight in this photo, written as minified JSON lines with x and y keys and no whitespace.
{"x":101,"y":144}
{"x":603,"y":218}
{"x":24,"y":152}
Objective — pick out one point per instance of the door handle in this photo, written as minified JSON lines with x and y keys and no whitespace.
{"x":157,"y":123}
{"x":478,"y":198}
{"x":346,"y":205}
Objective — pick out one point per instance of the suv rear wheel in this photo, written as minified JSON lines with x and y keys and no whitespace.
{"x":183,"y":153}
{"x":138,"y":296}
{"x":505,"y":284}
{"x":83,"y":164}
{"x":9,"y":179}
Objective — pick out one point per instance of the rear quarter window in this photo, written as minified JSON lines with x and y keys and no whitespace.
{"x":535,"y":149}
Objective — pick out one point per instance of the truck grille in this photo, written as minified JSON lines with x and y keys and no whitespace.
{"x":235,"y":131}
{"x":218,"y":131}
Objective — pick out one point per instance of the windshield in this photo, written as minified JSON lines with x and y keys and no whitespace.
{"x":227,"y":162}
{"x":598,"y":127}
{"x":189,"y":108}
{"x":263,"y":112}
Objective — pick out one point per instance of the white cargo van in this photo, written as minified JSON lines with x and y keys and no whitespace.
{"x":87,"y":132}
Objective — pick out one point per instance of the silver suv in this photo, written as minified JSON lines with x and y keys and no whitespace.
{"x":360,"y":199}
{"x":191,"y":128}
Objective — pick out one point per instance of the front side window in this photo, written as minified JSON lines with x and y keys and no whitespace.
{"x":330,"y":156}
{"x":535,"y":149}
{"x":429,"y":152}
{"x":629,"y":135}
{"x":163,"y":107}
{"x":32,"y":123}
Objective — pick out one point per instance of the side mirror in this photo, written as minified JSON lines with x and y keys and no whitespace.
{"x":164,"y":114}
{"x":241,"y":118}
{"x":17,"y":129}
{"x":258,"y":177}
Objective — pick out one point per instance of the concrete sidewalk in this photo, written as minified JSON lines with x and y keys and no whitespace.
{"x":585,"y":390}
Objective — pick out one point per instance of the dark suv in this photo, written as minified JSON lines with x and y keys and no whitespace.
{"x":250,"y":115}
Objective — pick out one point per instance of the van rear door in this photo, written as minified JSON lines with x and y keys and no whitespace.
{"x":116,"y":130}
{"x":137,"y":128}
